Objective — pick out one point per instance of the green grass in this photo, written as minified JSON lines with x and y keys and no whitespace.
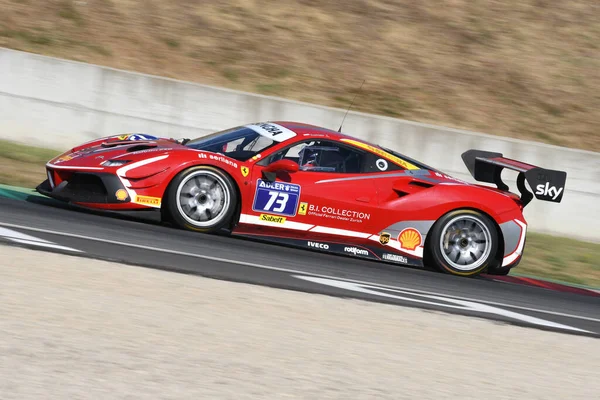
{"x":546,"y":256}
{"x":22,"y":165}
{"x":19,"y":152}
{"x":172,"y":43}
{"x":560,"y":258}
{"x":98,"y":49}
{"x":68,"y":11}
{"x":230,"y":74}
{"x":39,"y":37}
{"x":269,"y":88}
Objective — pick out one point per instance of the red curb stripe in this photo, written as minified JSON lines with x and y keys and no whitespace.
{"x":544,"y":284}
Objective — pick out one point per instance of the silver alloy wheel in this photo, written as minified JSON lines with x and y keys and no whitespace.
{"x":202,"y":198}
{"x":465,"y":242}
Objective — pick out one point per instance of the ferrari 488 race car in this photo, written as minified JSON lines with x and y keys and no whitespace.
{"x":312,"y":187}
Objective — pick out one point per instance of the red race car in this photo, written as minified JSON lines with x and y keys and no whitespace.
{"x":312,"y":187}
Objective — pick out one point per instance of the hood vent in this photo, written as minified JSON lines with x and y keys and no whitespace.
{"x":119,"y":143}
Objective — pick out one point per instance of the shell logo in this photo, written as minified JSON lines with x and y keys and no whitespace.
{"x":410,"y":239}
{"x":121,"y":195}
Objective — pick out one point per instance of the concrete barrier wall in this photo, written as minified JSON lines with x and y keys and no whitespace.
{"x":58,"y":103}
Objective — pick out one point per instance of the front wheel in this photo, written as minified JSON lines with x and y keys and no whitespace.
{"x":201,"y":198}
{"x":463,"y":242}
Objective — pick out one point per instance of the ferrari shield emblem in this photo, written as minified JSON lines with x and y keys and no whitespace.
{"x":303,"y":208}
{"x":384,"y":238}
{"x":245,"y":171}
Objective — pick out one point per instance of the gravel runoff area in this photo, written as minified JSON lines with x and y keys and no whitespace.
{"x":74,"y":328}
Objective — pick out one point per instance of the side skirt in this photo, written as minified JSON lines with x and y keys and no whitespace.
{"x":337,"y":247}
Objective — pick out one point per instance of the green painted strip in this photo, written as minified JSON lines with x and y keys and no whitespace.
{"x":17,"y":193}
{"x":19,"y":189}
{"x":25,"y":194}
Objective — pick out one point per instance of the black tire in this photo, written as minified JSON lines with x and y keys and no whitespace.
{"x":210,"y":191}
{"x":463,"y":242}
{"x":503,"y":271}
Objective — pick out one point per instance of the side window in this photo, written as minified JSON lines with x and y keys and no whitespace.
{"x":323,"y":156}
{"x":290,"y":153}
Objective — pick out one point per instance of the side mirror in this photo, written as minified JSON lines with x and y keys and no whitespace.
{"x":282,"y":165}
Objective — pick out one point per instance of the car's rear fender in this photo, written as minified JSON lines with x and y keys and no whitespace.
{"x":511,"y":234}
{"x":432,"y":203}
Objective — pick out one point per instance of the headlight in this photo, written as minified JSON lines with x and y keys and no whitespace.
{"x":114,"y":163}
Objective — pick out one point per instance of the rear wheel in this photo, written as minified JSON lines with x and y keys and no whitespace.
{"x":463,"y":242}
{"x":202,"y":199}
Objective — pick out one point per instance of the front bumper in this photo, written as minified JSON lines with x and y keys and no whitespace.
{"x":85,"y":187}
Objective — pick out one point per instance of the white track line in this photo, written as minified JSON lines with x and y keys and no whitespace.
{"x":291,"y":271}
{"x":440,"y":301}
{"x":19,"y":237}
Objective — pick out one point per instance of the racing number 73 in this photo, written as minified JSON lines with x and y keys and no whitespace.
{"x":278,"y":198}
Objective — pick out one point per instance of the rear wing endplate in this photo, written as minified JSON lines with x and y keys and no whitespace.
{"x":487,"y":166}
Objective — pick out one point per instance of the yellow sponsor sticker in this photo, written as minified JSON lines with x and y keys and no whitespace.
{"x":381,"y":153}
{"x":121,"y":194}
{"x":147,"y":200}
{"x":64,"y":158}
{"x":245,"y":171}
{"x":272,"y":218}
{"x":303,"y":208}
{"x":123,"y":137}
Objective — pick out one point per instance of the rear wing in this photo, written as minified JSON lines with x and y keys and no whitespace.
{"x":487,"y":166}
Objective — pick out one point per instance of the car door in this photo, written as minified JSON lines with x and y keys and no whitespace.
{"x":329,"y":196}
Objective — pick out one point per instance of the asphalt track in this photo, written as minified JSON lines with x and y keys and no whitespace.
{"x":141,"y":240}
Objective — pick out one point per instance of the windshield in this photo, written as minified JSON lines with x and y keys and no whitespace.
{"x":410,"y":160}
{"x":241,"y":143}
